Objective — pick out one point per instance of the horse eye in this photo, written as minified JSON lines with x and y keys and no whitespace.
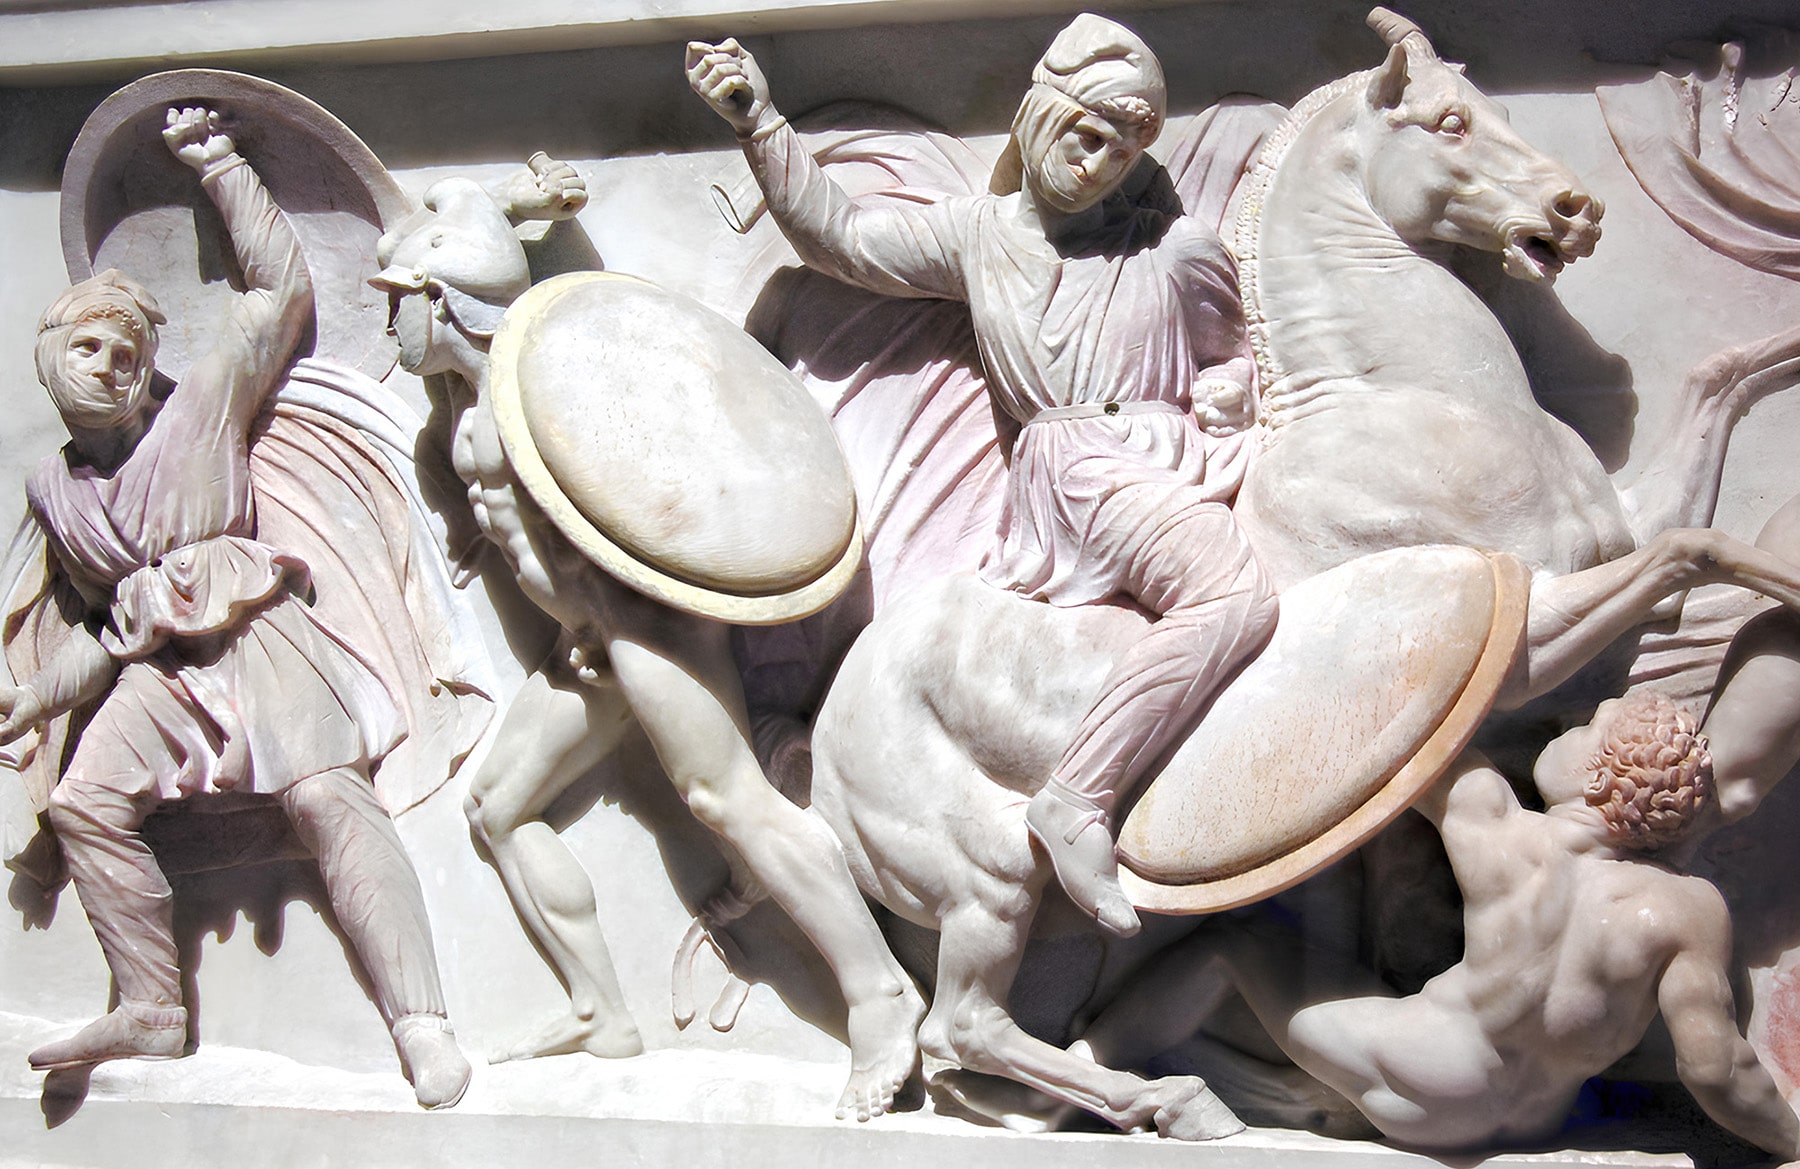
{"x":1452,"y":124}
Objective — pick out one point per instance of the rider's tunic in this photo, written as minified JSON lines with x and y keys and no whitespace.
{"x":1129,"y":314}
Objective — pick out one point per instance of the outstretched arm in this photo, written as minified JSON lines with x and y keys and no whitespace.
{"x":894,"y":249}
{"x":1715,"y":1062}
{"x":269,"y":319}
{"x":81,"y":672}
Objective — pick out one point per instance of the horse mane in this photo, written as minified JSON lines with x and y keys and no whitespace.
{"x":1249,"y":223}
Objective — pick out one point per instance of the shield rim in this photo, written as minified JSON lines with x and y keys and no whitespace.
{"x":392,"y":203}
{"x":629,"y":569}
{"x":1506,"y":634}
{"x":237,"y":91}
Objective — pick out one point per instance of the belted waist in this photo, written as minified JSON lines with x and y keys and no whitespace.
{"x":199,"y":588}
{"x":1102,"y":410}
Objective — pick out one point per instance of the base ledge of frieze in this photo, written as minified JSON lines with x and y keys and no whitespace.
{"x":233,"y":1107}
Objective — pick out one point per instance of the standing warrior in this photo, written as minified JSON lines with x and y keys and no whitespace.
{"x":188,"y":637}
{"x":450,"y":278}
{"x":1103,"y":323}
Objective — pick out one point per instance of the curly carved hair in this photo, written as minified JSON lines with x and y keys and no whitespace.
{"x":1651,"y":774}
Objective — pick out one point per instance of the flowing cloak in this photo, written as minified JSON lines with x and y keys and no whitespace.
{"x":902,"y":380}
{"x":335,"y":491}
{"x":1721,"y":154}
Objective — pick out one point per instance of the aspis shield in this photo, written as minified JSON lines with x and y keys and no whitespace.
{"x":673,"y":450}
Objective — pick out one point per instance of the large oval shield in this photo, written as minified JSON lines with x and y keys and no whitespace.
{"x":1377,"y":675}
{"x":673,"y":449}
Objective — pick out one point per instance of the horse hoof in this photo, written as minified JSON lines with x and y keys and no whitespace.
{"x":1195,"y":1113}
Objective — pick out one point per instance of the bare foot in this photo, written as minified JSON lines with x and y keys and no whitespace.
{"x":607,"y":1036}
{"x":884,"y":1052}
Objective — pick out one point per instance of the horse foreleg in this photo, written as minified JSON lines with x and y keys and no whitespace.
{"x":1574,"y":617}
{"x":1679,"y":485}
{"x":970,"y":1025}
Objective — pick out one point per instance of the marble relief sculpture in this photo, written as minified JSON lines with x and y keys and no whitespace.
{"x":1406,"y":158}
{"x":1213,"y":526}
{"x":187,"y":643}
{"x":1577,"y":938}
{"x":665,"y":663}
{"x":1099,"y":321}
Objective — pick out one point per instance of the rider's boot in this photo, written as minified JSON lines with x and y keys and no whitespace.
{"x":431,"y":1060}
{"x":130,"y":1031}
{"x":1075,"y":831}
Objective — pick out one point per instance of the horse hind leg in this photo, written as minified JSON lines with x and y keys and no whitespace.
{"x":970,"y":1025}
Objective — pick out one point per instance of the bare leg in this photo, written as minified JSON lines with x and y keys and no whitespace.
{"x":1574,"y":617}
{"x":555,"y":731}
{"x":376,"y":897}
{"x":683,"y":685}
{"x":978,"y":956}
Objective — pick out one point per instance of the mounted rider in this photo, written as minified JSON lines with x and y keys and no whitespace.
{"x":1104,"y":320}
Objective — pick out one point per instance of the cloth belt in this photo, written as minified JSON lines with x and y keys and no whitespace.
{"x":1102,"y":410}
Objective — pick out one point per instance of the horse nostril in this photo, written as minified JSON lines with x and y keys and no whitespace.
{"x":1574,"y":204}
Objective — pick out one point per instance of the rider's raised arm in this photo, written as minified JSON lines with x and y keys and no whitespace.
{"x":267,"y":322}
{"x":896,"y":249}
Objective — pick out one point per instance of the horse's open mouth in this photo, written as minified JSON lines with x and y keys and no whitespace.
{"x":1531,"y":256}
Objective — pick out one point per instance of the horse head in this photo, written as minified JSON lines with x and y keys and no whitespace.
{"x":1442,"y":162}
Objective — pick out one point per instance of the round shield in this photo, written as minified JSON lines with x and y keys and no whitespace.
{"x":1378,"y":674}
{"x":674,"y":450}
{"x":128,"y":204}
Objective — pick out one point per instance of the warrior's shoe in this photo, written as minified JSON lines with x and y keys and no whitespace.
{"x":129,"y":1031}
{"x":1076,"y":833}
{"x":431,"y":1060}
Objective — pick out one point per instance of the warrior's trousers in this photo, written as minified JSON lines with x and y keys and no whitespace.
{"x":1192,"y":566}
{"x":373,"y":888}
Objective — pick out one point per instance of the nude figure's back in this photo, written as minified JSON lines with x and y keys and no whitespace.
{"x":1568,"y":941}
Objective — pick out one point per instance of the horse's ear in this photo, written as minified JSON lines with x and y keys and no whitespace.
{"x":1388,"y":85}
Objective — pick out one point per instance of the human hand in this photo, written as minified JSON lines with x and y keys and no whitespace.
{"x":546,"y":189}
{"x":1223,"y":401}
{"x":563,"y":193}
{"x":729,"y":80}
{"x":195,"y":136}
{"x":20,"y":711}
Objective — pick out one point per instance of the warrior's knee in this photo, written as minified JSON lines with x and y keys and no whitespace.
{"x":714,"y":807}
{"x":77,"y":808}
{"x":486,"y":818}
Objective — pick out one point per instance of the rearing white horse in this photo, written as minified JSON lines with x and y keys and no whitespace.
{"x":1398,"y":414}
